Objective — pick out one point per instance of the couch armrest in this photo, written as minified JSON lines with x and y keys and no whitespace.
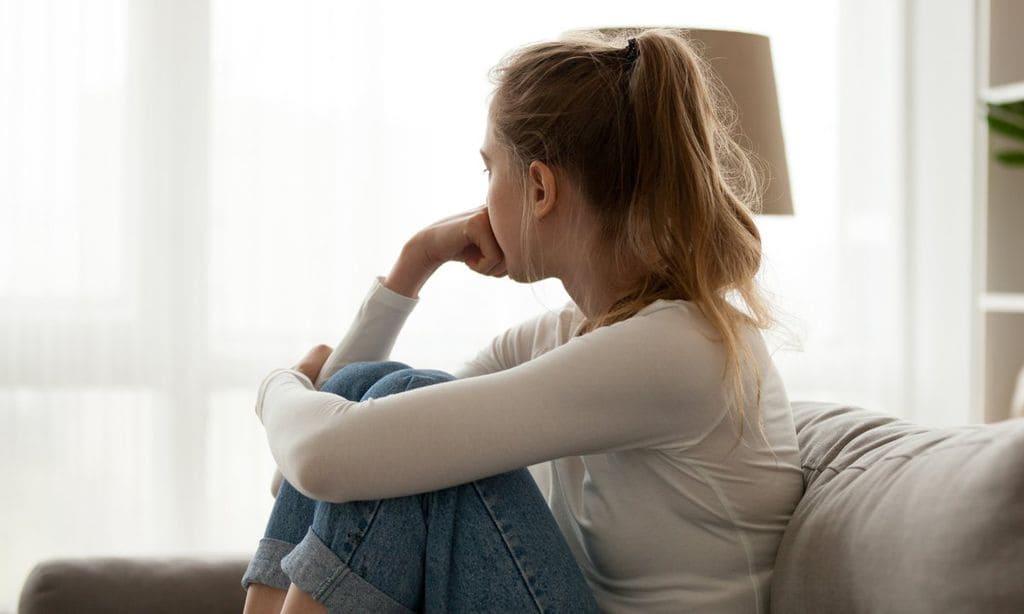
{"x":152,"y":585}
{"x":902,"y":517}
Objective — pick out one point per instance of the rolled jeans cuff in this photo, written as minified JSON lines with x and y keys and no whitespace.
{"x":265,"y":565}
{"x":317,"y":570}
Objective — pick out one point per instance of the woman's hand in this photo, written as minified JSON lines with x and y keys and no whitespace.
{"x":464,"y":237}
{"x":312,"y":362}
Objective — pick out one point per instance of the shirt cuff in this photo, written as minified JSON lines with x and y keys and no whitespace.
{"x":381,"y":293}
{"x":276,"y":373}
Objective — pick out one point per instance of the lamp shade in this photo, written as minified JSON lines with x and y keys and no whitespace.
{"x":743,"y":63}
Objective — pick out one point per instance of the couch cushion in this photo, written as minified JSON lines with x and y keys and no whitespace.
{"x":898,"y":517}
{"x":151,"y":585}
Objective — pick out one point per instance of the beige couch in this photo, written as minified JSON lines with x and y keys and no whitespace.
{"x":896,"y":517}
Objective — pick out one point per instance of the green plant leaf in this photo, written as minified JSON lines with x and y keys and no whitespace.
{"x":1011,"y":157}
{"x":1004,"y":127}
{"x":1008,"y":119}
{"x":1008,"y":108}
{"x":1012,"y":112}
{"x":1014,"y":107}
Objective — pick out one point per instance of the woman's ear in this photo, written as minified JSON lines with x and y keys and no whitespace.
{"x":541,"y":188}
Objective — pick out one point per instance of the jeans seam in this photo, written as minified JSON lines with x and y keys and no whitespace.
{"x":321,"y":591}
{"x":324,"y":593}
{"x":511,"y":551}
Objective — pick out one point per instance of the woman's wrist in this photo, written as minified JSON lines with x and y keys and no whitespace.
{"x":411,"y":270}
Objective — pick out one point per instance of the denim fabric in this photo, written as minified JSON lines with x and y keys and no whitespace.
{"x":490,"y":545}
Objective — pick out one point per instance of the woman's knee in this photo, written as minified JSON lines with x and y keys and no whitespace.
{"x":406,"y":379}
{"x":344,"y":526}
{"x":354,"y":379}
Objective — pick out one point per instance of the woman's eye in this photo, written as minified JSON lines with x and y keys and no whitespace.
{"x":487,"y":171}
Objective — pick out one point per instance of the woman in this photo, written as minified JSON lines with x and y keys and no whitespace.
{"x":673,"y":466}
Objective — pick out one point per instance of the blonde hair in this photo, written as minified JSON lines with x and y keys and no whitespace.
{"x":649,"y":145}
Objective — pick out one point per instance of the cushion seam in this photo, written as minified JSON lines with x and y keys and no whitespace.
{"x":900,"y":455}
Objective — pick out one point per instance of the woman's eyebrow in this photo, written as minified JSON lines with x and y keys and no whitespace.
{"x":484,"y":156}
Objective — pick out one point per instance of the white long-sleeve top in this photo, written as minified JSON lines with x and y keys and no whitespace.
{"x":625,"y":430}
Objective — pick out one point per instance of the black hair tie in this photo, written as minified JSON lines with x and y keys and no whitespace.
{"x":632,"y":51}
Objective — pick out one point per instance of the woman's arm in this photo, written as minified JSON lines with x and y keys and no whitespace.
{"x":636,"y":383}
{"x":522,"y":341}
{"x":383,"y":312}
{"x":464,"y":237}
{"x":372,"y":333}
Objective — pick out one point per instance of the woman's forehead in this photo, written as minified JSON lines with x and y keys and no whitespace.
{"x":487,"y":149}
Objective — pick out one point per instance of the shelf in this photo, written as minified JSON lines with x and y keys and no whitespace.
{"x":1011,"y":92}
{"x":998,"y":323}
{"x":1002,"y":302}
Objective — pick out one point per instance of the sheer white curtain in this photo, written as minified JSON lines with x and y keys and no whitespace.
{"x":194,"y":193}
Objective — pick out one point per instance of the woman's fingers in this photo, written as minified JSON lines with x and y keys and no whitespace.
{"x":466,"y":237}
{"x":483,"y":236}
{"x":313,"y":361}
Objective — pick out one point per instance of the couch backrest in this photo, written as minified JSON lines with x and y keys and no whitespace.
{"x":898,"y":517}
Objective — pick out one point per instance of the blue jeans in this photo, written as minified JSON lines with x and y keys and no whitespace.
{"x":490,"y":545}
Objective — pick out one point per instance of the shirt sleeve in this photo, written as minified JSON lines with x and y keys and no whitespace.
{"x":635,"y":383}
{"x":518,"y":343}
{"x":370,"y":337}
{"x":373,"y":331}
